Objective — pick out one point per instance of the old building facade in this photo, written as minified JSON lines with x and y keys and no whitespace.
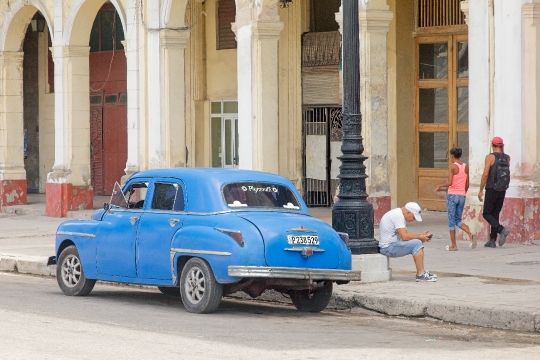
{"x":94,"y":90}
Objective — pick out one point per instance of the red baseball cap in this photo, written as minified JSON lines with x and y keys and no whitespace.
{"x":497,"y":141}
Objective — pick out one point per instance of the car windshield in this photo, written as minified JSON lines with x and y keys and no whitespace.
{"x":132,"y":197}
{"x":259,"y":194}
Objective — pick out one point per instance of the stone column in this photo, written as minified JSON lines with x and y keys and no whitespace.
{"x":173,"y":97}
{"x":13,"y":188}
{"x":480,"y":115}
{"x":69,"y":184}
{"x":258,"y":30}
{"x":154,"y":151}
{"x":530,"y":166}
{"x":375,"y":18}
{"x":131,"y":48}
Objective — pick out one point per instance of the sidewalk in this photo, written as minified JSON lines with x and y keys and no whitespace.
{"x":497,"y":288}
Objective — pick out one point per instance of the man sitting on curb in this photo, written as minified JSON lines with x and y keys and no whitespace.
{"x":396,"y":241}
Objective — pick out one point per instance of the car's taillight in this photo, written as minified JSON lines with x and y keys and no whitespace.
{"x":235,"y":234}
{"x":344,"y":237}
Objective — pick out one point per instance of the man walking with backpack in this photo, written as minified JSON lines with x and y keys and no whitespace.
{"x":496,"y":179}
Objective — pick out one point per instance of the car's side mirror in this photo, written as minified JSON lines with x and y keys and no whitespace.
{"x":106,"y":206}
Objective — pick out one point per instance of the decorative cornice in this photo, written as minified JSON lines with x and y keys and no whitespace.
{"x":75,"y":51}
{"x":375,"y":19}
{"x":531,"y":11}
{"x":15,"y":56}
{"x":171,"y":38}
{"x":267,"y":29}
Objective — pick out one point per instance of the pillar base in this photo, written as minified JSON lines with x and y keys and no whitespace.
{"x":374,"y":267}
{"x":64,"y":197}
{"x":519,"y":215}
{"x":13,"y":192}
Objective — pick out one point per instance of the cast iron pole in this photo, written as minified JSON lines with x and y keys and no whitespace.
{"x":353,"y":214}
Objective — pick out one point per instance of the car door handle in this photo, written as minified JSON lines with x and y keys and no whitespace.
{"x":173,"y":222}
{"x":134,"y":219}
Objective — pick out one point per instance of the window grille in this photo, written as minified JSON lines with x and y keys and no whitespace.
{"x":432,"y":13}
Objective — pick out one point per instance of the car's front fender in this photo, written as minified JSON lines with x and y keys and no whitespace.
{"x":82,"y":233}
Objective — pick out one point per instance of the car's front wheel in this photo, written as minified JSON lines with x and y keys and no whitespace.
{"x":312,"y":300}
{"x":200,"y":291}
{"x":70,"y":274}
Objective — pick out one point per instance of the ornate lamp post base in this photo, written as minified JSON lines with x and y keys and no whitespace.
{"x":356,"y":219}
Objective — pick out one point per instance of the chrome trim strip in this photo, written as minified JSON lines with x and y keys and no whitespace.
{"x":201,"y":252}
{"x":75,"y":234}
{"x":301,"y":230}
{"x":304,"y":248}
{"x":293,"y":273}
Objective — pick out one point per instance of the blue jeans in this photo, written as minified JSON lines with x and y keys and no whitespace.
{"x":454,"y":206}
{"x":401,"y":248}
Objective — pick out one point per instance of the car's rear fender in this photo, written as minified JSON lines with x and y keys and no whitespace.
{"x":220,"y":250}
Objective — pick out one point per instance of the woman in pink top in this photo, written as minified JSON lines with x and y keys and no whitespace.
{"x":457,"y":184}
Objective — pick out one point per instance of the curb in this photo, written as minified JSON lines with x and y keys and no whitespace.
{"x":33,"y":265}
{"x":493,"y":317}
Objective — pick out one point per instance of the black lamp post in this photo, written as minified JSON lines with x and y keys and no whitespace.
{"x":353,"y":214}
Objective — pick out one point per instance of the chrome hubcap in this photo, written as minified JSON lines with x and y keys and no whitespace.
{"x":71,"y":271}
{"x":195,"y":285}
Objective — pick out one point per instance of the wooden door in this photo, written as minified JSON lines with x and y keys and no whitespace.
{"x":114,"y":139}
{"x":442,"y":117}
{"x":96,"y":143}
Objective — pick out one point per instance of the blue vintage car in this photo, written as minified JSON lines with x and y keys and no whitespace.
{"x":205,"y":233}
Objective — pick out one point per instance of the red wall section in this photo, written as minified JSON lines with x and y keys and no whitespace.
{"x":12,"y":192}
{"x":518,"y":215}
{"x":62,"y":198}
{"x":381,"y":205}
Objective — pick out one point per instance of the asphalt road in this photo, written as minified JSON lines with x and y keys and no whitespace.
{"x":124,"y":322}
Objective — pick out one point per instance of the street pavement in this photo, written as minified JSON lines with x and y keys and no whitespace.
{"x":497,"y":288}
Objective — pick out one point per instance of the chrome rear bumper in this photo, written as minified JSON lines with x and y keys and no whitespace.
{"x":293,"y":273}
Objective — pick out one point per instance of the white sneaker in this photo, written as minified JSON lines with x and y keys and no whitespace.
{"x":425,"y":277}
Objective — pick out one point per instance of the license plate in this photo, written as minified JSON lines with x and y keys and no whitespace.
{"x":303,"y":239}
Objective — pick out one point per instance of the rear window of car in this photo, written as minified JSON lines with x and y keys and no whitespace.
{"x":259,"y":194}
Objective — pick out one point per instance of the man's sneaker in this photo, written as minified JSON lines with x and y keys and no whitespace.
{"x":425,"y":277}
{"x":502,"y":237}
{"x":491,"y":243}
{"x":430,"y":274}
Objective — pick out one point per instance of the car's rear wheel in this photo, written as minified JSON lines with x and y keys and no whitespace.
{"x":312,"y":300}
{"x":70,"y":274}
{"x":168,"y":290}
{"x":200,"y":291}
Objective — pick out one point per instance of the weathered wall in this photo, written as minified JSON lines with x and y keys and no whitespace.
{"x":290,"y":91}
{"x":222,"y":83}
{"x":401,"y":137}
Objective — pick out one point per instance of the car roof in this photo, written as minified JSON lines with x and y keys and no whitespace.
{"x":206,"y":184}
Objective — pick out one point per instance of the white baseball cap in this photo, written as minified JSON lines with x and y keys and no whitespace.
{"x":415,"y":209}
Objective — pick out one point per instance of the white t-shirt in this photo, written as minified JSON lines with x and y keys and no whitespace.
{"x":390,"y":222}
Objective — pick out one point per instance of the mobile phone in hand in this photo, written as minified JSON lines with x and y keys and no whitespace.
{"x":430,"y":236}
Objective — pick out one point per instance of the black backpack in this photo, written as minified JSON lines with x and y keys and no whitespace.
{"x":502,"y":172}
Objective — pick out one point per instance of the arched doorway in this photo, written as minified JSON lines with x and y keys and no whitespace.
{"x":38,"y":90}
{"x":25,"y":103}
{"x":108,"y":100}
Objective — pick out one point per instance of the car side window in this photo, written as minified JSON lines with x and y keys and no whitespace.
{"x":132,"y":197}
{"x":168,"y":197}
